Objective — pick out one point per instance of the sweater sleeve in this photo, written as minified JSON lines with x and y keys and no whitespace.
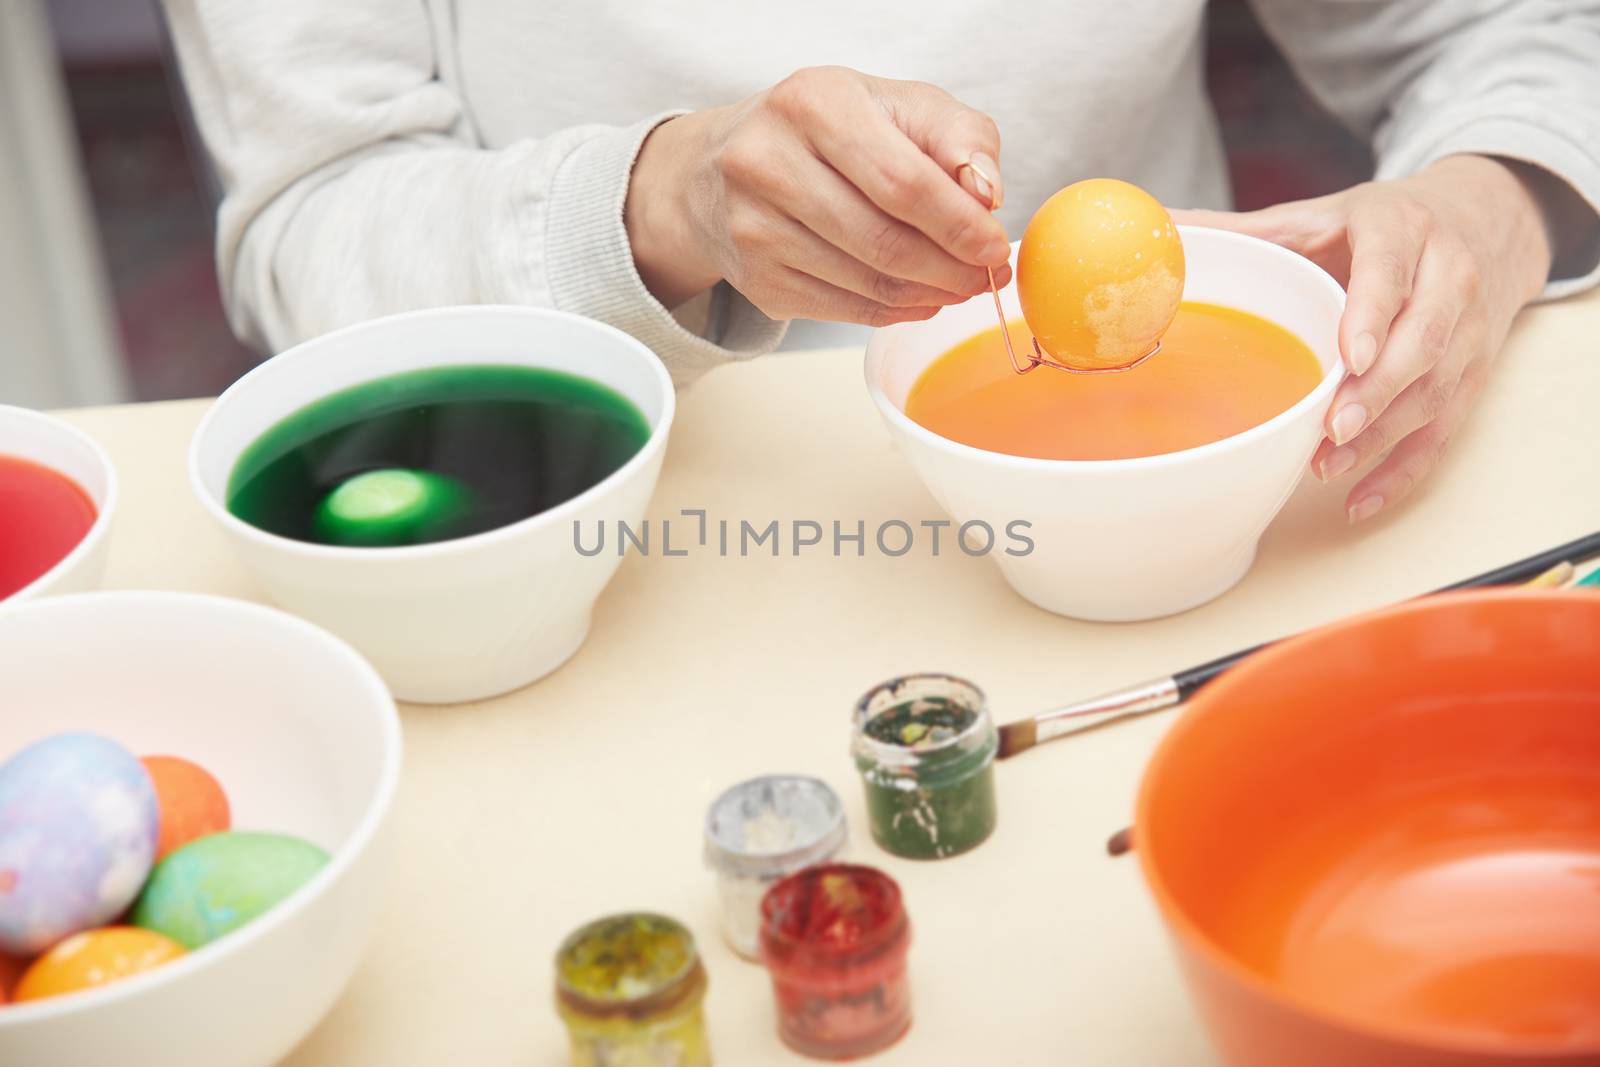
{"x":354,"y":186}
{"x":1513,"y":78}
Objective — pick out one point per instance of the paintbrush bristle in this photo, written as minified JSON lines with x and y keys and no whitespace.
{"x":1018,"y":737}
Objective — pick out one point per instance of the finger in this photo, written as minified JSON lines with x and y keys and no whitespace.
{"x":1394,"y":479}
{"x":837,"y":212}
{"x":1420,"y":403}
{"x":1300,"y":225}
{"x":854,"y":134}
{"x":1386,"y":243}
{"x":810,"y":254}
{"x":963,"y":141}
{"x":787,"y":293}
{"x":1415,"y":344}
{"x":980,"y":176}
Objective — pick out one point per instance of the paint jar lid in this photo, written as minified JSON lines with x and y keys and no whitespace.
{"x":769,"y":826}
{"x":634,"y":966}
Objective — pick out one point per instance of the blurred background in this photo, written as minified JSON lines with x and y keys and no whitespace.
{"x":108,"y":288}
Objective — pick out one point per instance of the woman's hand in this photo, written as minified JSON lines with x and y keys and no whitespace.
{"x":1435,"y":266}
{"x":829,"y":196}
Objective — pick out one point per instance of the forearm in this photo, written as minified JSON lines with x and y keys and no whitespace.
{"x":354,"y":187}
{"x":406,"y":225}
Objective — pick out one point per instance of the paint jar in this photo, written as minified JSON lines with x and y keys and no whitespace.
{"x":925,"y":746}
{"x":835,"y":940}
{"x":761,"y":830}
{"x":631,"y":989}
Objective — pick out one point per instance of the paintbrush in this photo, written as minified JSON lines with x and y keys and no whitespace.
{"x":1550,"y":568}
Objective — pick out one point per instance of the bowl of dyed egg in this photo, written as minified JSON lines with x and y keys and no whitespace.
{"x":430,"y":486}
{"x":1379,"y":843}
{"x":1144,"y":491}
{"x":58,"y":491}
{"x":194,"y":795}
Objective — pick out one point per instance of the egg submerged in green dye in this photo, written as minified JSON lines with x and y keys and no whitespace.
{"x":213,"y":886}
{"x":391,"y":506}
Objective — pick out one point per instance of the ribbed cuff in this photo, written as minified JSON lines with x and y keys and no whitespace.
{"x":1528,"y":141}
{"x":590,"y":268}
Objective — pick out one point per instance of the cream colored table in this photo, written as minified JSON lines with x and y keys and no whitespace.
{"x":522,"y":817}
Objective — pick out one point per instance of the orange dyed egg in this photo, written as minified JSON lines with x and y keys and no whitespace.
{"x":95,"y":958}
{"x":192,"y":802}
{"x":1100,"y":274}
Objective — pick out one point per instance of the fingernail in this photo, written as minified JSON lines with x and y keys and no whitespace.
{"x":986,"y":177}
{"x":1363,"y":351}
{"x":1366,"y":507}
{"x":995,"y":254}
{"x":1347,"y":423}
{"x":1338,"y":462}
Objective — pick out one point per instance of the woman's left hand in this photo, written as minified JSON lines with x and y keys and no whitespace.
{"x":1435,"y":267}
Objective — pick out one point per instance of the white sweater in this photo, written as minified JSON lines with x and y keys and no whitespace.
{"x":382,"y":155}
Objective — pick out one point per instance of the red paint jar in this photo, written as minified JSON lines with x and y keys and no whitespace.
{"x":835,"y":939}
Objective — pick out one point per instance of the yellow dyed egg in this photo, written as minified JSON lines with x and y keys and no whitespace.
{"x":1100,"y":274}
{"x":96,"y":958}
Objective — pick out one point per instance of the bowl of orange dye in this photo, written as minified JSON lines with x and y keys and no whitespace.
{"x":1144,"y":492}
{"x":1379,"y":843}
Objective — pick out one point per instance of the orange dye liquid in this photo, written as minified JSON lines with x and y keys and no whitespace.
{"x":1220,"y":371}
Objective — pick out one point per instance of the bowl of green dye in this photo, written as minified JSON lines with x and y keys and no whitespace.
{"x":431,"y":486}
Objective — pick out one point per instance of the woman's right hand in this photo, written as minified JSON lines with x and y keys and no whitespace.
{"x":832,"y":195}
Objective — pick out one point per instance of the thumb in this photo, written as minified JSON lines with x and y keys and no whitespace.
{"x":1298,"y":225}
{"x":962,"y":140}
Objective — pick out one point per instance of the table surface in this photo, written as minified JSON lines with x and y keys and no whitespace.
{"x":522,"y":817}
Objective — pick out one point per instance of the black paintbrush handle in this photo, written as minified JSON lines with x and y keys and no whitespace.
{"x":1191,"y":679}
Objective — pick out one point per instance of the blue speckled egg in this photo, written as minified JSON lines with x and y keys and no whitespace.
{"x":78,"y":828}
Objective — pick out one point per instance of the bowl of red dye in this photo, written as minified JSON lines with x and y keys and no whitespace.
{"x":58,"y":491}
{"x":1379,"y":843}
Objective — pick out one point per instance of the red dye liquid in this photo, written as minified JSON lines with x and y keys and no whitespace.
{"x":43,"y":516}
{"x":834,"y":939}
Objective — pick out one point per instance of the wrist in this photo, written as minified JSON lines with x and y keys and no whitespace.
{"x":659,"y":217}
{"x":1526,"y":240}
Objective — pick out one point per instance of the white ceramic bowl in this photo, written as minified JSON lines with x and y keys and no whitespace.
{"x":472,"y":617}
{"x":52,"y":443}
{"x":1118,"y":540}
{"x":303,"y":736}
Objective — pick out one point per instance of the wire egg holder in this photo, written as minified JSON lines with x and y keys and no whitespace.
{"x":1026,"y":363}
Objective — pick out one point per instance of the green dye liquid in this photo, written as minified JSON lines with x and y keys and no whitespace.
{"x":508,"y":442}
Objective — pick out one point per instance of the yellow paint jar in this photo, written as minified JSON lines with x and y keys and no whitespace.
{"x":631,"y":989}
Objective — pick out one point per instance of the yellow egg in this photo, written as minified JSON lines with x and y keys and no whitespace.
{"x":1100,"y":274}
{"x":95,"y":958}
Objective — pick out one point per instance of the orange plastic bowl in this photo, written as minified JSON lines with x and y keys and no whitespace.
{"x":1378,"y":845}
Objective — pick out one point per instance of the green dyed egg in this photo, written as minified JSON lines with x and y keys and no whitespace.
{"x":216,"y":884}
{"x":392,"y":506}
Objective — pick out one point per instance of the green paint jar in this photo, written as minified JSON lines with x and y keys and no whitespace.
{"x":925,"y":746}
